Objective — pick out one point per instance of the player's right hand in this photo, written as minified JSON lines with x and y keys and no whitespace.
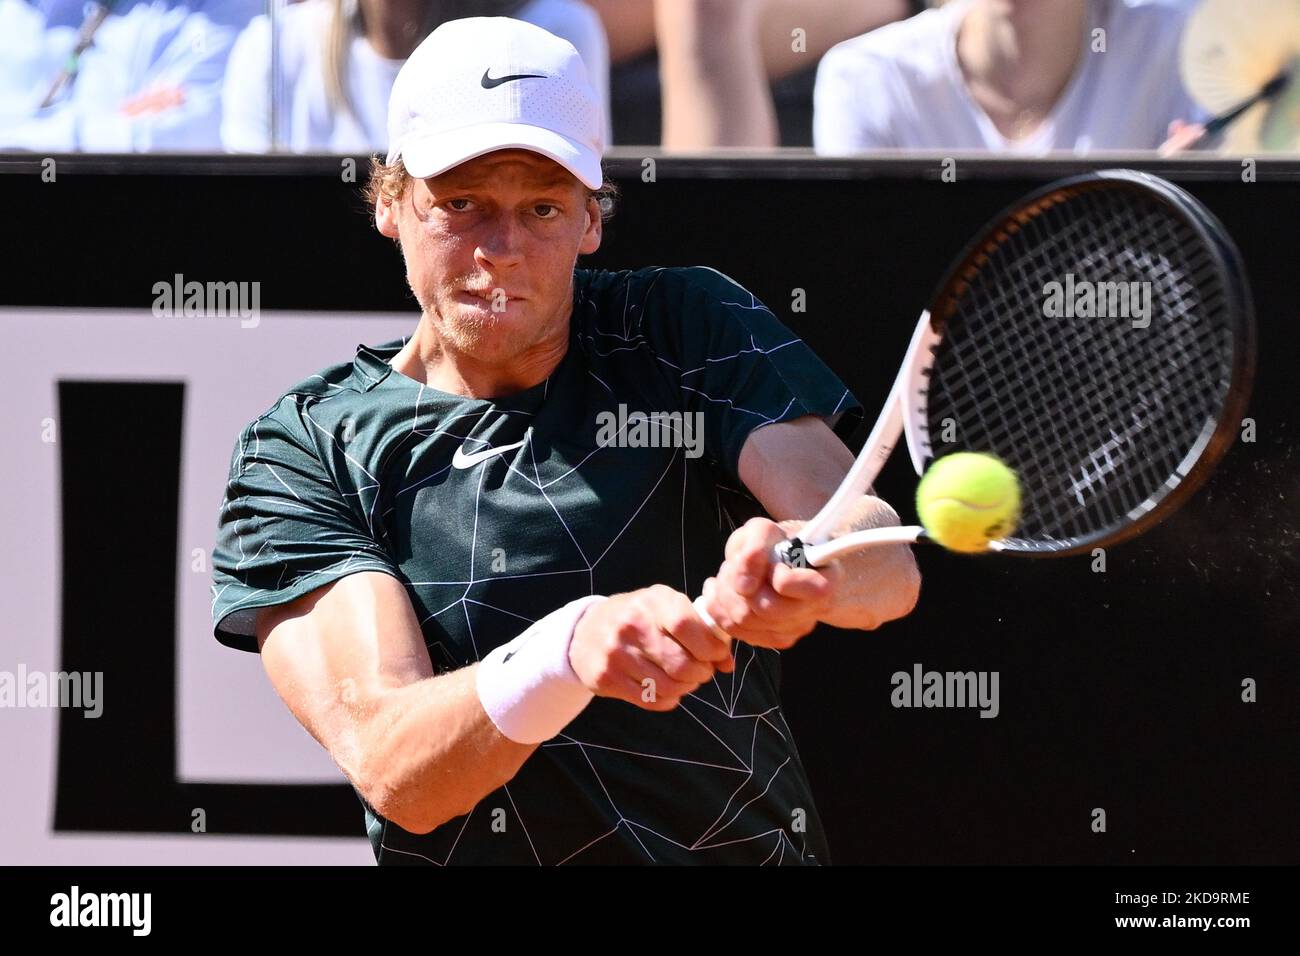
{"x":646,"y":647}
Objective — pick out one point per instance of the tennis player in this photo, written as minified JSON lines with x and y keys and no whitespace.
{"x":467,"y":557}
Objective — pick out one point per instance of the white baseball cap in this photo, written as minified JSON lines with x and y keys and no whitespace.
{"x":486,"y":83}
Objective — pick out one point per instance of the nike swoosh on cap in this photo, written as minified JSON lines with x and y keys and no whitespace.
{"x":490,"y":82}
{"x":461,"y":460}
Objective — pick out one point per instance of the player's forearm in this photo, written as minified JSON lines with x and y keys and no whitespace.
{"x":715,"y":89}
{"x":432,"y":753}
{"x":880,"y":584}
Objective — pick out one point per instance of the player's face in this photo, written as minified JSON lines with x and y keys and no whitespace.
{"x":490,"y":248}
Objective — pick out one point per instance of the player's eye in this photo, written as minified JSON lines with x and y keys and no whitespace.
{"x":545,"y":210}
{"x":460,"y":205}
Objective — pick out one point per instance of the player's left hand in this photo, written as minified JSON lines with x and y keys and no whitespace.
{"x":766,"y":603}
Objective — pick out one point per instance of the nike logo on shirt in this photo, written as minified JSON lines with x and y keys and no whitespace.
{"x":490,"y":82}
{"x":462,"y":460}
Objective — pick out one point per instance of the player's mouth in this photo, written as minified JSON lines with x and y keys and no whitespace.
{"x":490,"y":296}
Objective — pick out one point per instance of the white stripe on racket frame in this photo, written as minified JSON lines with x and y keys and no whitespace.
{"x":903,"y":414}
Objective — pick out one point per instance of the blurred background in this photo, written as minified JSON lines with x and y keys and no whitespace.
{"x":840,"y":77}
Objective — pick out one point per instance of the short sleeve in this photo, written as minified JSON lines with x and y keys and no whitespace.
{"x":851,"y":105}
{"x":284,"y":528}
{"x":739,"y":367}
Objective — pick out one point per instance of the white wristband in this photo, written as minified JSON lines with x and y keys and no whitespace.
{"x":528,"y":687}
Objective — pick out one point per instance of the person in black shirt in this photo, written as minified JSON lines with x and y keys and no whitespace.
{"x":467,"y":557}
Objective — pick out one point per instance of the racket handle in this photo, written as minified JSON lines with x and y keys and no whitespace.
{"x":820,"y":554}
{"x":780,"y":555}
{"x":793,"y":553}
{"x":707,"y":618}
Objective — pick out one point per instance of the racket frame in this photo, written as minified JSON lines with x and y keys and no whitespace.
{"x":905,"y":407}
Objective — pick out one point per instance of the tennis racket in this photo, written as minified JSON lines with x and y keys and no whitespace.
{"x":1111,"y":415}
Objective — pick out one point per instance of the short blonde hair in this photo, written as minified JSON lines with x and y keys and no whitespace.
{"x":389,"y":181}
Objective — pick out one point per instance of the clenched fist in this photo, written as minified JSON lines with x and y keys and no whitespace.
{"x":646,"y":647}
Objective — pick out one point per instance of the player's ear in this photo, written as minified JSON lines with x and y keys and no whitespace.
{"x":592,"y":235}
{"x":386,"y":217}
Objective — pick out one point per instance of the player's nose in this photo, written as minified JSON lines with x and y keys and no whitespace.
{"x":502,"y":242}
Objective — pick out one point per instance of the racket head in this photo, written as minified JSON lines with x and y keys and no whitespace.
{"x":1110,"y":426}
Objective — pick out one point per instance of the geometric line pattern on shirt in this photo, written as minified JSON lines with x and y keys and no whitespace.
{"x":720,"y":696}
{"x":744,"y":654}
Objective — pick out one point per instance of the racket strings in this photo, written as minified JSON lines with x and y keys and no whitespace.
{"x":1151,"y":401}
{"x":1005,"y":425}
{"x":1088,"y":345}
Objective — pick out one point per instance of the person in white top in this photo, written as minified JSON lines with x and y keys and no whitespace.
{"x":339,"y":58}
{"x":1019,"y":76}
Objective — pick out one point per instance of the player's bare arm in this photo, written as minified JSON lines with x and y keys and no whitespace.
{"x":792,"y":468}
{"x":350,"y":662}
{"x":516,"y":347}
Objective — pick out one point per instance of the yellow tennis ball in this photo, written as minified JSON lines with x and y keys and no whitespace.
{"x":965,"y":500}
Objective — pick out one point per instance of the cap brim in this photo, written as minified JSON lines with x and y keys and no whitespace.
{"x":434,"y":153}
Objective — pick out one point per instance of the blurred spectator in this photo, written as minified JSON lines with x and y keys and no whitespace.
{"x":724,"y":72}
{"x":339,"y":58}
{"x":118,"y":76}
{"x":1023,"y":76}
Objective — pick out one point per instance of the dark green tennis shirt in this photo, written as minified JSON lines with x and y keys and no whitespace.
{"x":617,"y":472}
